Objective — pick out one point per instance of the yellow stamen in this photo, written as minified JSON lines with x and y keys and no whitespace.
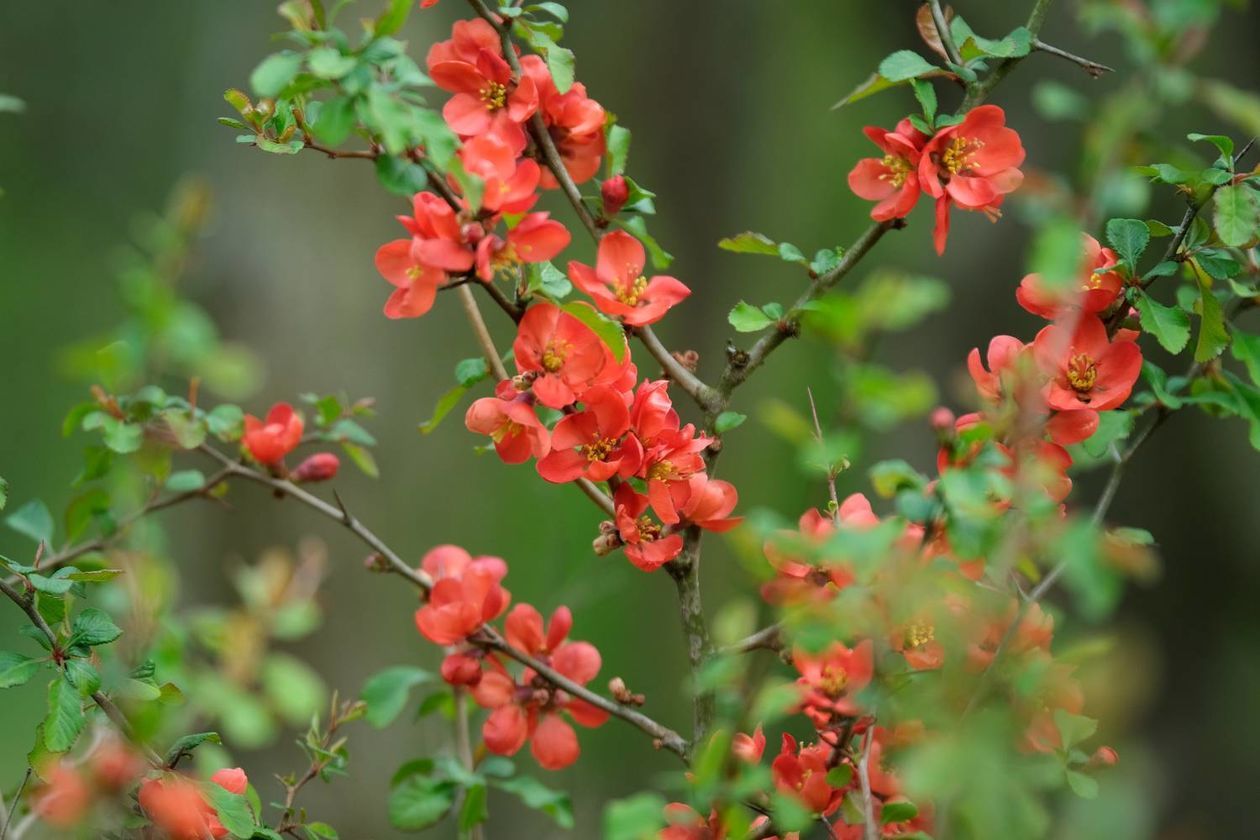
{"x":959,"y":154}
{"x":1082,"y":373}
{"x":494,"y":96}
{"x":896,"y":170}
{"x":918,"y":634}
{"x":598,"y":450}
{"x":553,"y":357}
{"x":629,"y":295}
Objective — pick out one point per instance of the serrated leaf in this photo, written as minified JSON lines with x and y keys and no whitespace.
{"x":33,"y":520}
{"x":185,"y":745}
{"x":65,"y":718}
{"x":1129,"y":237}
{"x":16,"y":669}
{"x":232,"y":809}
{"x":1213,"y":334}
{"x":1236,"y":215}
{"x":419,"y":802}
{"x":904,"y":65}
{"x":617,"y":141}
{"x":1169,"y":325}
{"x":93,"y":627}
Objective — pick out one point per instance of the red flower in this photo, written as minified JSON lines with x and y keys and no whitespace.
{"x":830,"y":680}
{"x":517,"y":432}
{"x":618,"y":286}
{"x":749,"y":748}
{"x":65,"y":798}
{"x":707,"y":502}
{"x":419,"y":266}
{"x":176,"y":805}
{"x":973,"y":164}
{"x":801,"y":772}
{"x":510,"y":183}
{"x":321,"y":466}
{"x":1098,"y":288}
{"x":800,"y":580}
{"x":269,"y":441}
{"x":535,"y":710}
{"x":892,"y":180}
{"x":1002,"y":357}
{"x":535,"y":238}
{"x":1068,"y":427}
{"x":593,"y":443}
{"x":563,"y":355}
{"x":1086,"y":370}
{"x":486,"y":96}
{"x":466,"y":594}
{"x":646,"y":545}
{"x":574,"y":121}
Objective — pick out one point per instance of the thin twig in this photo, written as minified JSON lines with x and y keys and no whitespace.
{"x":942,"y":30}
{"x":1090,"y":66}
{"x":831,"y":470}
{"x":767,"y":638}
{"x":17,"y":797}
{"x":870,"y":829}
{"x":482,"y":334}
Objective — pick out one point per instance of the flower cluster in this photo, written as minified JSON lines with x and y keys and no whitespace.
{"x":466,"y":595}
{"x":972,"y":164}
{"x":608,"y":430}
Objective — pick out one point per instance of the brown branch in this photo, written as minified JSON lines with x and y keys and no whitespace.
{"x":482,"y":334}
{"x":943,"y":31}
{"x":767,"y":638}
{"x":1091,"y":67}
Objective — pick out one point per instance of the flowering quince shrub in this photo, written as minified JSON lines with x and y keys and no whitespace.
{"x":906,"y":682}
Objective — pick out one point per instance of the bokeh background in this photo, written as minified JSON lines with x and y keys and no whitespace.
{"x":730,"y":105}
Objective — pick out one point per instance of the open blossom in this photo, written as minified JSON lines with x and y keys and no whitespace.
{"x":646,"y":544}
{"x":574,"y":121}
{"x":1002,"y":357}
{"x":176,"y":805}
{"x":509,"y":181}
{"x":512,"y":424}
{"x":534,"y":239}
{"x":466,"y":594}
{"x":972,"y":165}
{"x":418,"y":266}
{"x":471,"y":66}
{"x":707,"y":502}
{"x":618,"y":286}
{"x":64,"y":798}
{"x":1086,"y":370}
{"x":563,"y":355}
{"x":1098,"y":288}
{"x":829,"y":681}
{"x":593,"y":443}
{"x":533,"y":709}
{"x":891,"y":180}
{"x":800,"y":580}
{"x":801,"y":772}
{"x":269,"y":440}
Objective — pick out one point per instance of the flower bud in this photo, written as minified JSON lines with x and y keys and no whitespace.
{"x":461,"y":669}
{"x":319,"y":467}
{"x":1104,"y":757}
{"x":942,"y":421}
{"x":615,"y":193}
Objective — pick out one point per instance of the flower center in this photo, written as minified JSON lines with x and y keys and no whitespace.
{"x":834,"y":679}
{"x":662,"y":471}
{"x":1082,"y":373}
{"x":648,"y":530}
{"x":896,"y":170}
{"x":415,"y":272}
{"x":629,"y":295}
{"x":553,"y":357}
{"x":494,"y":96}
{"x":598,"y":450}
{"x":959,"y":154}
{"x":506,"y":429}
{"x":918,"y":634}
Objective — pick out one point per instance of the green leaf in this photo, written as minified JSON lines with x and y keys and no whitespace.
{"x":93,"y":627}
{"x":386,"y":693}
{"x":661,"y":259}
{"x":747,"y":318}
{"x":610,"y":332}
{"x":185,"y":746}
{"x":556,"y":10}
{"x":1220,"y":141}
{"x":926,"y":94}
{"x":83,"y":676}
{"x":189,"y":432}
{"x":16,"y":669}
{"x":539,"y":797}
{"x":903,"y":65}
{"x":232,"y":808}
{"x":11,"y":104}
{"x":1236,"y":215}
{"x":1073,"y":728}
{"x":443,"y":407}
{"x":186,"y":481}
{"x":335,"y":121}
{"x":400,"y":176}
{"x":58,"y":583}
{"x":728,"y":420}
{"x":65,"y":716}
{"x":321,"y":831}
{"x":329,"y":63}
{"x":898,"y":811}
{"x":635,"y":817}
{"x":33,"y":520}
{"x":275,"y":72}
{"x":1056,"y":254}
{"x":1082,"y":785}
{"x":891,"y":477}
{"x":226,"y":421}
{"x":419,"y":802}
{"x":617,"y":141}
{"x":469,"y":372}
{"x":473,"y":812}
{"x":1169,"y":325}
{"x":392,"y":19}
{"x":1246,"y":349}
{"x":4,"y":493}
{"x":1129,"y":237}
{"x":121,"y":437}
{"x":749,"y":242}
{"x":548,"y":280}
{"x":1213,"y":335}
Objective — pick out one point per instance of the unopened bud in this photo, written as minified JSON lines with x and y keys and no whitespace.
{"x":376,"y":563}
{"x":623,"y":695}
{"x":1104,"y":757}
{"x":472,"y":233}
{"x":606,"y":544}
{"x":942,"y":421}
{"x":319,"y":467}
{"x":615,"y":192}
{"x":461,"y":669}
{"x":689,"y":359}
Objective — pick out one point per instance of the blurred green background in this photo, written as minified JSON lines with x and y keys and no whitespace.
{"x":730,"y":105}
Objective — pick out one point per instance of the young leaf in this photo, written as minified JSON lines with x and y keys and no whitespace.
{"x":747,"y":318}
{"x":275,"y":72}
{"x":539,"y":797}
{"x":1236,"y":215}
{"x":903,"y":65}
{"x":33,"y":520}
{"x":419,"y":802}
{"x":1129,"y":237}
{"x":65,"y":716}
{"x":16,"y":669}
{"x":728,"y":420}
{"x":749,"y":242}
{"x":610,"y":332}
{"x":1213,"y":335}
{"x":232,"y":809}
{"x":93,"y":627}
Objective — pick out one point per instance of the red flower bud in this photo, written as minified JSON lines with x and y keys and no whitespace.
{"x":1104,"y":757}
{"x":461,"y":669}
{"x":615,"y":193}
{"x":942,"y":421}
{"x":319,"y":467}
